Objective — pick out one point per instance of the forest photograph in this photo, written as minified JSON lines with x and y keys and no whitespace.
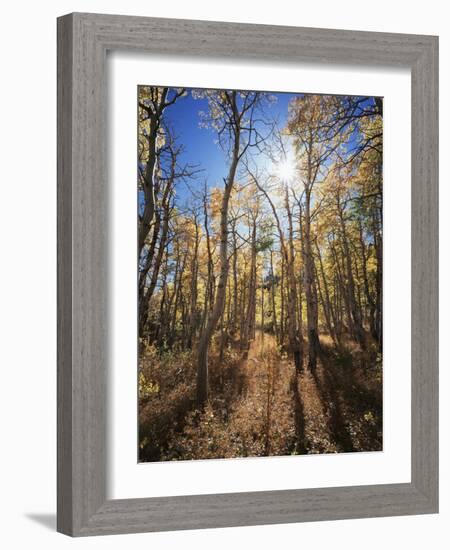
{"x":260,"y":255}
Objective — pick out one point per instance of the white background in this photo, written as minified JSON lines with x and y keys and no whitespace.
{"x":131,"y":480}
{"x":28,"y":274}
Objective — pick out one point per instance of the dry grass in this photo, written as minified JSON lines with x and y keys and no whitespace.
{"x":258,"y":406}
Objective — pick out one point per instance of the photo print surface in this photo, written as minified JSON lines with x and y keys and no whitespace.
{"x":259,"y":273}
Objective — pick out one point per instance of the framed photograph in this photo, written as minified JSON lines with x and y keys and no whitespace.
{"x":247,"y":274}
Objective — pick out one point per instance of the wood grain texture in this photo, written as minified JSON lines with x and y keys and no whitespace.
{"x":64,"y":329}
{"x":83,"y":206}
{"x":425,"y":267}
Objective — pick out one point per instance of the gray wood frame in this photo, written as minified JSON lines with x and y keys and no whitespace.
{"x":83,"y":40}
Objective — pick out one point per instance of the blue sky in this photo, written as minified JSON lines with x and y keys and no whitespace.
{"x":200,"y":147}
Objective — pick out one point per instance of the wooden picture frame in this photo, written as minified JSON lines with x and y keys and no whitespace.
{"x":83,"y":40}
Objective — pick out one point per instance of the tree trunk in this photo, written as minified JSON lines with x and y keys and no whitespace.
{"x":235,"y":282}
{"x":193,"y":289}
{"x":295,"y":338}
{"x":251,"y":305}
{"x":369,"y":297}
{"x":310,"y":287}
{"x":359,"y":331}
{"x":330,"y":315}
{"x":145,"y":299}
{"x":273,"y":304}
{"x":205,"y":338}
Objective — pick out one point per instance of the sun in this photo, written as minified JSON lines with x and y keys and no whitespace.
{"x":285,"y":169}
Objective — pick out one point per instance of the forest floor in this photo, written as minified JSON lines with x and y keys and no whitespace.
{"x":259,"y":405}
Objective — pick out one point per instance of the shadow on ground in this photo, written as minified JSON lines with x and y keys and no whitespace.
{"x":46,"y":520}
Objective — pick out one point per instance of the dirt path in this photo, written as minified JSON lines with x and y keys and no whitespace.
{"x":275,"y":391}
{"x":327,"y":411}
{"x":288,"y":401}
{"x":266,"y":400}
